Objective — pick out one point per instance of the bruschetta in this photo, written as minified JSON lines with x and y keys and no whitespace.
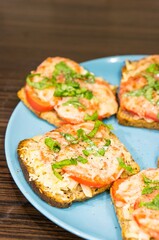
{"x":61,"y":91}
{"x":74,"y":162}
{"x":139,"y":93}
{"x":136,"y":201}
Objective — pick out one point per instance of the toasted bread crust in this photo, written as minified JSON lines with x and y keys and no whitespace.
{"x":127,"y":119}
{"x":50,"y":116}
{"x":122,"y":221}
{"x":53,"y":200}
{"x":131,"y":69}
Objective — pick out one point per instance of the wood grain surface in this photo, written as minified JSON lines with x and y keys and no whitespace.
{"x":30,"y":31}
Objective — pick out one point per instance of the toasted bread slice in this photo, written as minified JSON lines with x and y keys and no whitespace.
{"x":133,"y":200}
{"x":61,"y":91}
{"x":74,"y":162}
{"x":138,"y":94}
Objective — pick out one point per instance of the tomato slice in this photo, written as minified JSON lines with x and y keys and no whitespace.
{"x":147,"y":219}
{"x":137,"y":105}
{"x":97,"y":181}
{"x":116,"y":196}
{"x":35,"y":102}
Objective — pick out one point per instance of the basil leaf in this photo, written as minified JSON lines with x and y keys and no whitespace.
{"x":109,"y":126}
{"x":69,"y":138}
{"x":62,"y":68}
{"x":58,"y":175}
{"x":101,"y":151}
{"x":153,"y":68}
{"x":81,"y":134}
{"x":69,"y":90}
{"x":88,"y":77}
{"x":124,"y":166}
{"x":75,"y":102}
{"x":92,"y":117}
{"x":52,"y":144}
{"x":97,"y":124}
{"x":64,"y":163}
{"x":44,"y":83}
{"x":148,"y":180}
{"x":149,"y":189}
{"x":86,"y":152}
{"x":154,"y":204}
{"x":64,"y":90}
{"x":82,"y":159}
{"x":107,"y":142}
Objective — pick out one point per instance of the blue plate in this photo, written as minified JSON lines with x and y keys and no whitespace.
{"x":94,"y":219}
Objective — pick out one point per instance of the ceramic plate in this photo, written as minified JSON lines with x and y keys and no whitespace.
{"x":94,"y":219}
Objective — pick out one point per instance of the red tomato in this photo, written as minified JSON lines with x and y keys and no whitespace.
{"x":92,"y":182}
{"x":114,"y":188}
{"x":35,"y":102}
{"x":137,"y":105}
{"x":147,"y":219}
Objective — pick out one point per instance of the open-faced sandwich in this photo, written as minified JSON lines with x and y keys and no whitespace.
{"x":139,"y":93}
{"x":61,"y":91}
{"x":136,"y":201}
{"x":74,"y":162}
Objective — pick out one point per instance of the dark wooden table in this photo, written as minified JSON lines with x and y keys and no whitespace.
{"x":30,"y":31}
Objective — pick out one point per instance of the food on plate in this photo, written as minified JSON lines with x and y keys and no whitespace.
{"x":139,"y":93}
{"x":136,"y":201}
{"x":61,"y":91}
{"x":74,"y":162}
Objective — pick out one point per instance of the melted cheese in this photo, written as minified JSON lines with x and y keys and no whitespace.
{"x":131,"y":190}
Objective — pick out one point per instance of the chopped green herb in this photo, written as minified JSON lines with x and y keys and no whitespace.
{"x":69,"y":138}
{"x":101,"y":151}
{"x":149,"y":189}
{"x":52,"y":144}
{"x":63,"y":68}
{"x":107,"y":142}
{"x":148,"y":180}
{"x":109,"y":126}
{"x":64,"y":90}
{"x":86,"y":152}
{"x":124,"y":166}
{"x":92,"y":117}
{"x":153,"y":68}
{"x":70,"y":74}
{"x":158,"y":115}
{"x":75,"y":102}
{"x":97,"y":124}
{"x":69,"y":90}
{"x":81,"y":134}
{"x":82,"y":159}
{"x":64,"y":163}
{"x":44,"y":83}
{"x":154,"y":204}
{"x":57,"y":174}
